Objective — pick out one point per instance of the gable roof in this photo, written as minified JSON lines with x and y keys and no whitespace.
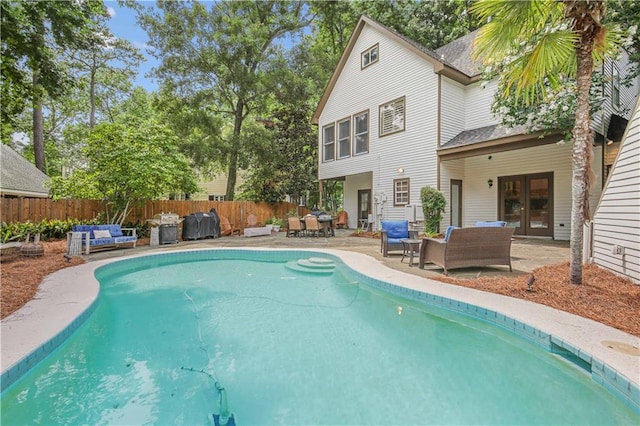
{"x":458,"y":54}
{"x":446,"y":62}
{"x":19,"y":177}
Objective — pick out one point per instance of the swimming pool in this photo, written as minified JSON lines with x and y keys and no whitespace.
{"x":292,"y":348}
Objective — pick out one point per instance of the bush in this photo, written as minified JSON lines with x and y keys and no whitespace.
{"x":433,"y":204}
{"x":48,"y":229}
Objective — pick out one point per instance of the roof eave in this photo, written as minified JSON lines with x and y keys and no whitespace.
{"x":508,"y":143}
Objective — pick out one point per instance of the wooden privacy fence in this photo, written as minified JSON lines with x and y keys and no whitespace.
{"x":38,"y":209}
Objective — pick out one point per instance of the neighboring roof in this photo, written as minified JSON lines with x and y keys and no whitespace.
{"x":19,"y":177}
{"x":483,"y":134}
{"x":453,"y":53}
{"x":458,"y":54}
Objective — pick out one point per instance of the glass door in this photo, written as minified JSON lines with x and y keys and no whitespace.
{"x":364,"y":207}
{"x":526,"y":203}
{"x":512,"y":202}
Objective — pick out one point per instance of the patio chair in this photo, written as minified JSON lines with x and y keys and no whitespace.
{"x":312,"y":225}
{"x":227,"y":228}
{"x":393,"y":232}
{"x":252,"y":221}
{"x":343,"y":220}
{"x":294,"y":227}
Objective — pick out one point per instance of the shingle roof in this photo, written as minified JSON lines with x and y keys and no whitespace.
{"x":20,"y":177}
{"x":483,"y":134}
{"x":458,"y":54}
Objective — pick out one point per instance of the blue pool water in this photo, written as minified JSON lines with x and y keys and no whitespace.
{"x":291,"y":348}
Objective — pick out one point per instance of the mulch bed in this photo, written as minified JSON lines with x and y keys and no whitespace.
{"x":603,"y":296}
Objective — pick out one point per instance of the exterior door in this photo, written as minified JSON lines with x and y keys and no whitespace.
{"x":526,"y":203}
{"x":364,"y":206}
{"x":456,"y":203}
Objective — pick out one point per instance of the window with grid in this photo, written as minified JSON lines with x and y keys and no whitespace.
{"x":400,"y":192}
{"x":392,"y":117}
{"x":361,"y":133}
{"x":216,"y":197}
{"x":615,"y":86}
{"x":344,"y":138}
{"x":329,"y":143}
{"x":369,"y":56}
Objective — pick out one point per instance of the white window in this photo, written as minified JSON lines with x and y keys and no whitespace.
{"x":392,"y":117}
{"x":370,"y":56}
{"x":361,"y":133}
{"x":329,"y":143}
{"x":615,"y":86}
{"x":400,"y":192}
{"x":216,"y":197}
{"x":344,"y":138}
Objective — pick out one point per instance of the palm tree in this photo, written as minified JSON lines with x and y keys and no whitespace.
{"x":536,"y":45}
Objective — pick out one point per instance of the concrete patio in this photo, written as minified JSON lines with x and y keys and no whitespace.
{"x":526,"y":254}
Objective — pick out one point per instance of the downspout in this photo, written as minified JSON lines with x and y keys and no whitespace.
{"x":438,"y":130}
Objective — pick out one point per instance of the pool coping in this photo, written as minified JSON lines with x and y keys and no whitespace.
{"x":67,"y":297}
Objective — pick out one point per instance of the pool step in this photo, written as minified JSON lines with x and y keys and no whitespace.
{"x":314,"y":265}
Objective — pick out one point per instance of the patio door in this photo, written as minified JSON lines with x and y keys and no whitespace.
{"x":364,"y":206}
{"x":526,"y":203}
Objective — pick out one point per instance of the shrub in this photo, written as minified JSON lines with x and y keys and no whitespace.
{"x":433,"y":204}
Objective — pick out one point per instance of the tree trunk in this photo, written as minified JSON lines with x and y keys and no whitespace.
{"x":92,"y":99}
{"x":235,"y":151}
{"x":38,"y":128}
{"x":586,"y":19}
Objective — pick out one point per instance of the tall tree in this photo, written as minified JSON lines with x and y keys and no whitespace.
{"x":221,"y":51}
{"x":536,"y":45}
{"x":32,"y":31}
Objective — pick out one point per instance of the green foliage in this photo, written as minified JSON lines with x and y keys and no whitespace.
{"x":47,"y":228}
{"x":433,"y":204}
{"x":129,"y":165}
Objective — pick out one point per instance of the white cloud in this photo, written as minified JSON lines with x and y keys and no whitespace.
{"x":111,"y":11}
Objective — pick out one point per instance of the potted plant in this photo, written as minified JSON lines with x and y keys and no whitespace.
{"x":276,"y":223}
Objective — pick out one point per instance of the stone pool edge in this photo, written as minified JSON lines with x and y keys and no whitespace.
{"x":66,"y":298}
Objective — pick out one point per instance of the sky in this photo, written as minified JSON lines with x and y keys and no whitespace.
{"x":123,"y":25}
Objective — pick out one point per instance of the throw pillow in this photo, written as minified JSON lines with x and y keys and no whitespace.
{"x":101,"y":234}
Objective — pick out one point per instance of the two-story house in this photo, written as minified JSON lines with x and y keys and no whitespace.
{"x":396,"y":117}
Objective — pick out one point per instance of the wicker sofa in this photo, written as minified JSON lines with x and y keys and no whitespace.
{"x":474,"y":246}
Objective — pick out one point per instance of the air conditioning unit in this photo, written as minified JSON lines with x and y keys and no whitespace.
{"x":413,"y":213}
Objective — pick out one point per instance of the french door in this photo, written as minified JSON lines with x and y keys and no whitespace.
{"x":526,"y":203}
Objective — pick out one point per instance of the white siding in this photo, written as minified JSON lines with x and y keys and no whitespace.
{"x":628,"y":95}
{"x":617,"y":219}
{"x":449,"y":170}
{"x":477,"y":105}
{"x":481,"y":202}
{"x":352,"y":184}
{"x":398,"y":72}
{"x":452,"y":112}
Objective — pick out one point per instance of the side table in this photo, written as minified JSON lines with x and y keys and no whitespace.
{"x":409,"y":248}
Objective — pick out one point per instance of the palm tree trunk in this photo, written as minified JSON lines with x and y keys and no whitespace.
{"x":586,"y":23}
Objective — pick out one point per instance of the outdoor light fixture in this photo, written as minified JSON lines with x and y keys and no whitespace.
{"x":490,"y":182}
{"x":400,"y":170}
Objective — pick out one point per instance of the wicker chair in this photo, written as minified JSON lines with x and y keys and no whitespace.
{"x":475,"y":246}
{"x":393,"y":232}
{"x":294,"y":227}
{"x":311,"y":225}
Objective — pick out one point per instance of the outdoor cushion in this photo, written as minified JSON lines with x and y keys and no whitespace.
{"x":448,"y":232}
{"x":396,"y":230}
{"x":489,"y":224}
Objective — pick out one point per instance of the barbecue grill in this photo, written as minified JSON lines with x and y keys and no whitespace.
{"x":167,"y":224}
